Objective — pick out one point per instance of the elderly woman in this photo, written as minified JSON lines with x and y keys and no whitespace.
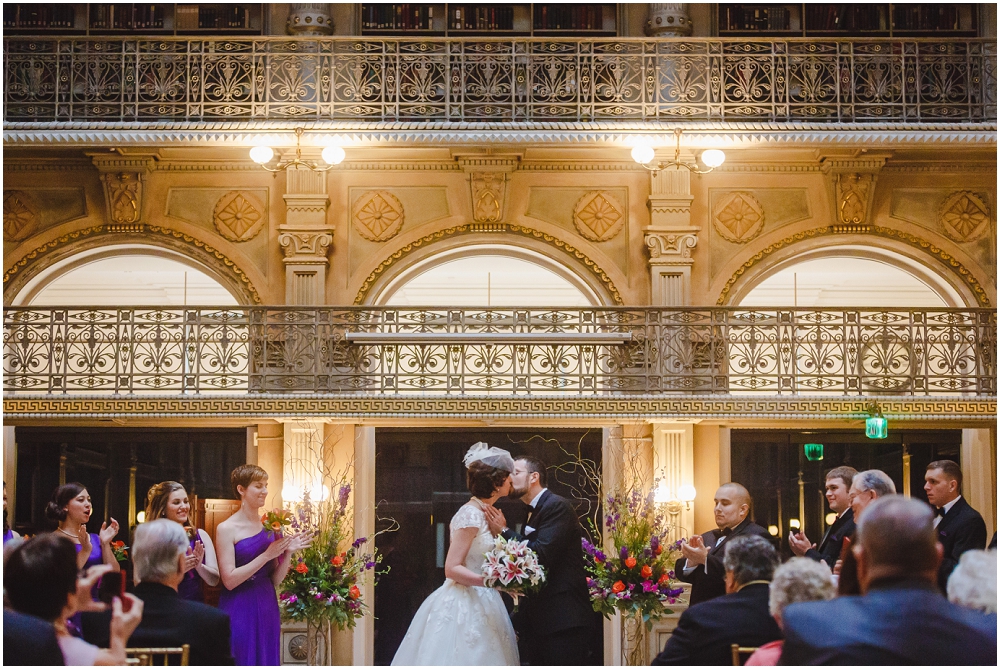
{"x":973,"y":583}
{"x":798,"y":580}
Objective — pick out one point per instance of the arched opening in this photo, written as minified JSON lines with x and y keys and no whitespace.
{"x":488,"y":275}
{"x":125,"y":275}
{"x":848,"y":276}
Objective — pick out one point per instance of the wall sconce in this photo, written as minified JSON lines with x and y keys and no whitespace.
{"x":876,"y":426}
{"x":685,"y":495}
{"x":140,"y":518}
{"x":772,"y":530}
{"x":332,"y":155}
{"x":644,"y":154}
{"x":830,"y":518}
{"x":794,"y":523}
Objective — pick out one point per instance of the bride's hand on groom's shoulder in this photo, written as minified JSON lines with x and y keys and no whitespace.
{"x":495,"y":520}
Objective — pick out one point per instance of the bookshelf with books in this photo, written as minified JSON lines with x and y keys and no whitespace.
{"x":406,"y":18}
{"x":848,"y":20}
{"x":575,"y":19}
{"x":490,"y":20}
{"x":43,"y":18}
{"x":122,"y":18}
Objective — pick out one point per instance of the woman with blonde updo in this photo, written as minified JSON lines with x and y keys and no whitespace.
{"x":169,"y":500}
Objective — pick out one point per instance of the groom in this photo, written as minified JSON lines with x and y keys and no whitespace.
{"x":554,"y":624}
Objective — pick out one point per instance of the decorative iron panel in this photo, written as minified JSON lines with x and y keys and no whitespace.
{"x":727,"y":351}
{"x":499,"y":80}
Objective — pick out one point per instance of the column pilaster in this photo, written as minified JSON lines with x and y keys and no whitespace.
{"x":305,"y":237}
{"x":670,"y":237}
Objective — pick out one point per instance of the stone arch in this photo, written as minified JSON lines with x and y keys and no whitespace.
{"x":36,"y":269}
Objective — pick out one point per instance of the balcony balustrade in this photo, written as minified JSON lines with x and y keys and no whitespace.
{"x":433,"y":81}
{"x":499,"y":351}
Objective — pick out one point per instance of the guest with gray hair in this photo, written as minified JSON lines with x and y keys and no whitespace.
{"x":706,"y":631}
{"x":973,"y":582}
{"x":800,"y":579}
{"x":159,"y":552}
{"x":900,"y":618}
{"x":866,"y":487}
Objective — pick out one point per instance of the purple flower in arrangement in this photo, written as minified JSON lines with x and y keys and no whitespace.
{"x":648,"y":586}
{"x":599,"y":556}
{"x":647,"y":553}
{"x":670,"y":574}
{"x":292,"y":599}
{"x":357,"y":542}
{"x":344,"y":495}
{"x":353,"y":606}
{"x":591,"y":583}
{"x":588,"y":547}
{"x":319,"y":595}
{"x":654,"y":542}
{"x":623,"y":553}
{"x":369,"y":565}
{"x":676,"y":592}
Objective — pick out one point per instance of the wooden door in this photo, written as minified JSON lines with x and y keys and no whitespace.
{"x":208,"y":514}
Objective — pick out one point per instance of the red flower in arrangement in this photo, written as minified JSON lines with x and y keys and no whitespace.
{"x":663,"y":578}
{"x":354,"y":592}
{"x":301,"y":568}
{"x":337,"y":561}
{"x":618,"y":586}
{"x":657,"y":550}
{"x":647,"y":571}
{"x":630,"y":562}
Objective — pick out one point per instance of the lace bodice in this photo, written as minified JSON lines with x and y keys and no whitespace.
{"x":471,"y":515}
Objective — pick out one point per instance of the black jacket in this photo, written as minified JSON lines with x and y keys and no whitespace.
{"x":169,"y":621}
{"x":899,"y":621}
{"x":28,"y":640}
{"x":706,"y":631}
{"x":564,"y":601}
{"x":829,"y":548}
{"x":960,"y":530}
{"x":706,"y":586}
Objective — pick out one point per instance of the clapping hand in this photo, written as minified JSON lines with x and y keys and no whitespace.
{"x":299,"y":541}
{"x":495,"y":519}
{"x":84,"y":586}
{"x":194,"y":556}
{"x":799,"y":543}
{"x":695,"y":551}
{"x":108,"y":532}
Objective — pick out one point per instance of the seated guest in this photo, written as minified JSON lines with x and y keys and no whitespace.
{"x":701,"y":565}
{"x":159,"y":553}
{"x":973,"y":583}
{"x":798,"y":580}
{"x":960,"y":527}
{"x":838,"y":488}
{"x":28,"y":640}
{"x":901,"y":617}
{"x":867,"y":487}
{"x":40,"y":580}
{"x":706,"y":631}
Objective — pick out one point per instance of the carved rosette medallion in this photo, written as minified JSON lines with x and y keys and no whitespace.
{"x":599,"y":216}
{"x":738,"y":217}
{"x":964,"y":216}
{"x":378,"y":215}
{"x":239,"y":216}
{"x":20,"y":215}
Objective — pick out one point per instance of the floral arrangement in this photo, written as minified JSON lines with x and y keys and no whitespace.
{"x":638,"y":577}
{"x":119,"y":550}
{"x":512,"y":567}
{"x":323,"y":584}
{"x":276,"y":520}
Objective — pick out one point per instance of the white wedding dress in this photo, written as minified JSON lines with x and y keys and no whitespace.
{"x":459,"y":624}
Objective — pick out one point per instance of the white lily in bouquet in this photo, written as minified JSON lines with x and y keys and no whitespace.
{"x":512,"y":567}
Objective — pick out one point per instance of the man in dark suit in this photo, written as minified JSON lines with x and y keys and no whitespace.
{"x":901,"y":617}
{"x":28,"y":640}
{"x":702,"y":565}
{"x":959,"y":526}
{"x":838,"y":487}
{"x":706,"y":631}
{"x":158,"y":554}
{"x":554,"y":624}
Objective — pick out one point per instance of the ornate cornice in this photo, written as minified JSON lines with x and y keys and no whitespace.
{"x":953,"y":410}
{"x":890,"y":233}
{"x":468,"y":228}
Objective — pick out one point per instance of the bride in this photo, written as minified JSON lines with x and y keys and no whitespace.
{"x":463,"y":622}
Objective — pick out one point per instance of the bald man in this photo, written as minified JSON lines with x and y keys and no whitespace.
{"x":702,"y":565}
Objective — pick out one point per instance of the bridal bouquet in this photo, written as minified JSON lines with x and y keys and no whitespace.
{"x":513,"y":568}
{"x":275,"y":521}
{"x":637,"y":578}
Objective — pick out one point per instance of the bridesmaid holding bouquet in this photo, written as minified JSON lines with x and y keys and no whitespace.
{"x":253,"y":561}
{"x":169,"y":500}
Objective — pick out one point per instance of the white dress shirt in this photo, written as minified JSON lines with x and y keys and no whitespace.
{"x":528,"y":529}
{"x":947,"y":508}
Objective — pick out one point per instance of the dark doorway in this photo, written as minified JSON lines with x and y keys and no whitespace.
{"x":768,"y":463}
{"x":100,"y":458}
{"x":420,"y":482}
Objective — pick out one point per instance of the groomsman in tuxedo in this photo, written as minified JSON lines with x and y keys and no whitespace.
{"x":838,"y":487}
{"x":959,"y":526}
{"x":554,"y":624}
{"x":702,"y":565}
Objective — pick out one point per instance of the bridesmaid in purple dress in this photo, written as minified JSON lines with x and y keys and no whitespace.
{"x":8,"y":534}
{"x":252,"y":564}
{"x":169,"y":500}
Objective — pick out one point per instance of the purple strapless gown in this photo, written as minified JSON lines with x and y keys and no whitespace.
{"x":191,"y":587}
{"x":254,"y":618}
{"x":96,"y":558}
{"x":8,"y":535}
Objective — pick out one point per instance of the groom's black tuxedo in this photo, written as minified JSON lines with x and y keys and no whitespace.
{"x":554,"y":624}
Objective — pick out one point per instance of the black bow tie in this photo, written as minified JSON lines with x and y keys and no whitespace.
{"x":726,"y":532}
{"x":940,"y":511}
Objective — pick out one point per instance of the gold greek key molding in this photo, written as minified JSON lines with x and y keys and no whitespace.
{"x":468,"y":228}
{"x":889,"y":233}
{"x":637,"y":407}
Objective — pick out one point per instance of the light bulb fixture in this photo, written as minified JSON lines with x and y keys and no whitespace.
{"x":794,"y":523}
{"x":140,"y":518}
{"x":332,"y":155}
{"x":644,"y":154}
{"x":830,"y":518}
{"x":772,"y":530}
{"x":876,"y":426}
{"x":675,"y":504}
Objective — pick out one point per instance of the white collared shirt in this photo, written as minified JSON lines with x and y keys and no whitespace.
{"x":528,"y":529}
{"x":947,"y":508}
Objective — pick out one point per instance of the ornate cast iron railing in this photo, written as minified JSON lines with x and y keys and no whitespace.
{"x":499,"y":80}
{"x":501,"y":351}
